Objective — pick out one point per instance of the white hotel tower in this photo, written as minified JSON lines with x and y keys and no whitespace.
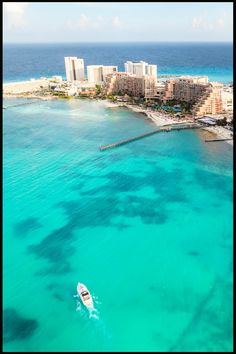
{"x":74,"y":69}
{"x":97,"y":73}
{"x":140,"y":69}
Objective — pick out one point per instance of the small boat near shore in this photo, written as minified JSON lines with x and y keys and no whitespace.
{"x":85,"y":295}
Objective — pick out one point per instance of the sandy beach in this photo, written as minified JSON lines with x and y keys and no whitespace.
{"x":220,"y":133}
{"x":24,"y":86}
{"x":161,"y":119}
{"x":28,"y":89}
{"x":157,"y":117}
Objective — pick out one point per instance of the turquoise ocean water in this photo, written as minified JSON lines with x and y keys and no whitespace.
{"x":147,"y":227}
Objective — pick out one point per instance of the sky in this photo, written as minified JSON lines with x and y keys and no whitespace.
{"x":41,"y":22}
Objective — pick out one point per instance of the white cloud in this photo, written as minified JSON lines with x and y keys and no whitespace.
{"x":87,"y":23}
{"x":116,"y":22}
{"x":221,"y":22}
{"x":203,"y":22}
{"x":197,"y":22}
{"x":84,"y":21}
{"x":14,"y":14}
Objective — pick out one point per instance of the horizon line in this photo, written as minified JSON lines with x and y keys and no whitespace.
{"x":112,"y":42}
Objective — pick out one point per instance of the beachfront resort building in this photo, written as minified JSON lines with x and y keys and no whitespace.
{"x":211,"y":101}
{"x":150,"y":86}
{"x":184,"y":88}
{"x":122,"y":83}
{"x":140,"y":69}
{"x":97,"y":73}
{"x":74,"y":69}
{"x":227,"y":100}
{"x":189,"y":88}
{"x":205,"y":97}
{"x":160,"y":90}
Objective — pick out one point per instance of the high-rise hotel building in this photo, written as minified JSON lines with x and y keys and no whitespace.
{"x":140,"y":69}
{"x":97,"y":73}
{"x":74,"y":69}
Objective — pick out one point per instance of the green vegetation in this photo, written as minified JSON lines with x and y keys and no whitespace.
{"x":221,"y":122}
{"x":185,"y":106}
{"x":172,"y":103}
{"x":112,"y":98}
{"x":62,"y":95}
{"x":98,"y":89}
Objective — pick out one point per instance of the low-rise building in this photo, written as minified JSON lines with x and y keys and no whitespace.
{"x":56,"y":78}
{"x":86,"y":92}
{"x":67,"y":91}
{"x":207,"y":120}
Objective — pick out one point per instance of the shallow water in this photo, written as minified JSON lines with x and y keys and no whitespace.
{"x":147,"y":227}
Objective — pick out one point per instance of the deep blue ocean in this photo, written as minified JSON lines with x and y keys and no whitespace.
{"x":25,"y":61}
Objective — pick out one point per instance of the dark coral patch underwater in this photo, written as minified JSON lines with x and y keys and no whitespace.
{"x":16,"y":327}
{"x":24,"y":227}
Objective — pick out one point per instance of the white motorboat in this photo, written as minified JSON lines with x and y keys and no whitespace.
{"x":85,"y":295}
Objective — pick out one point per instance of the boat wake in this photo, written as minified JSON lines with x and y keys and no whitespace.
{"x":92,"y":317}
{"x":93,"y":312}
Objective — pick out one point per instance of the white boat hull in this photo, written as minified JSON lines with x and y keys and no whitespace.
{"x":85,"y":295}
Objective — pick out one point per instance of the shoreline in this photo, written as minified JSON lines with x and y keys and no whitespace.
{"x":159,"y":118}
{"x":220,"y":132}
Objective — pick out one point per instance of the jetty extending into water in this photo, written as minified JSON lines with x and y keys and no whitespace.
{"x":164,"y":128}
{"x":22,"y":104}
{"x":210,"y":140}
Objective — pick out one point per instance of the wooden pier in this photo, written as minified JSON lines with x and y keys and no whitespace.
{"x":22,"y":104}
{"x":165,"y":128}
{"x":210,"y":140}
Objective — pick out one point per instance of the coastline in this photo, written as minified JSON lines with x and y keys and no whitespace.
{"x":161,"y":119}
{"x":158,"y":118}
{"x":32,"y":91}
{"x":220,"y":133}
{"x":25,"y":86}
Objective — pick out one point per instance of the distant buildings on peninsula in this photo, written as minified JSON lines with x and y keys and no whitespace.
{"x":140,"y":80}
